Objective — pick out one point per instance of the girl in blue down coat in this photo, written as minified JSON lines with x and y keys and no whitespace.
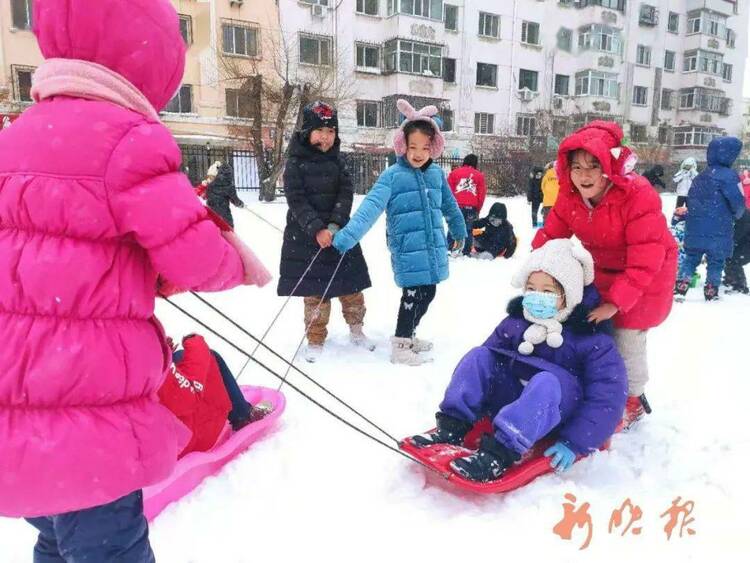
{"x":715,"y":201}
{"x":415,"y":197}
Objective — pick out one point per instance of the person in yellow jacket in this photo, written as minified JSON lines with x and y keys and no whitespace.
{"x":550,"y":187}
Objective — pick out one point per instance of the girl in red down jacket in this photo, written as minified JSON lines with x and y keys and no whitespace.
{"x":617,"y":216}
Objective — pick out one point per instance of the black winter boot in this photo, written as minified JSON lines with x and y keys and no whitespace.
{"x":488,"y":463}
{"x":681,"y":289}
{"x":450,"y":430}
{"x":710,"y":292}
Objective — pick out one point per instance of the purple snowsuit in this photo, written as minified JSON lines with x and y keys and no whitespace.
{"x":578,"y":389}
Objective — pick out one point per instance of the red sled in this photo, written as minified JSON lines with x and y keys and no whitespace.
{"x":532,"y":465}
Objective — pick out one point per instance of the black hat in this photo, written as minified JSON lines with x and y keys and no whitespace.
{"x":471,"y":160}
{"x":319,"y":114}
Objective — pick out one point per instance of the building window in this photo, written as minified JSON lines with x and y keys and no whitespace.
{"x":731,"y":38}
{"x":638,"y":133}
{"x":484,"y":123}
{"x":714,"y":25}
{"x":687,"y":99}
{"x":413,"y":57}
{"x":321,"y":2}
{"x":709,"y":62}
{"x":315,"y":50}
{"x":695,"y":136}
{"x":560,"y":128}
{"x":369,"y":7}
{"x":690,"y":61}
{"x":694,"y":23}
{"x":528,"y":79}
{"x":643,"y":55}
{"x":182,"y":102}
{"x":673,"y":23}
{"x":640,"y":96}
{"x":22,"y":82}
{"x":449,"y":70}
{"x":726,"y":72}
{"x":666,"y":99}
{"x":600,"y":38}
{"x":565,"y":39}
{"x":186,"y":29}
{"x":648,"y":15}
{"x":21,"y":12}
{"x":432,"y":9}
{"x":367,"y":113}
{"x":447,"y":115}
{"x":669,"y":61}
{"x":450,"y":13}
{"x":238,"y":103}
{"x":663,"y":135}
{"x":525,"y":125}
{"x":530,"y":33}
{"x":368,"y":56}
{"x":240,"y":40}
{"x":562,"y":84}
{"x":489,"y":25}
{"x":486,"y":75}
{"x":594,"y":83}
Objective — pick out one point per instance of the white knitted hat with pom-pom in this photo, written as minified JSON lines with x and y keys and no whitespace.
{"x":573,"y":267}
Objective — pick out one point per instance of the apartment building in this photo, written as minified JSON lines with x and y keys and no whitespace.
{"x":669,"y":70}
{"x":225,"y":38}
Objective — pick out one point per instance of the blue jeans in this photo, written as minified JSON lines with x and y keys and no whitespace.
{"x":241,"y":409}
{"x":470,"y":215}
{"x":693,"y":259}
{"x":111,"y":533}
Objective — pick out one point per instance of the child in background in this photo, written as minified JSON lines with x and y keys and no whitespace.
{"x":415,"y":197}
{"x":618,"y":217}
{"x":93,"y":208}
{"x":494,"y":234}
{"x":683,"y":179}
{"x":545,"y":368}
{"x":735,"y":277}
{"x":468,"y":187}
{"x":550,"y":189}
{"x":534,"y":194}
{"x":319,"y":193}
{"x":220,"y":191}
{"x":677,"y":229}
{"x":715,"y":200}
{"x":201,"y":391}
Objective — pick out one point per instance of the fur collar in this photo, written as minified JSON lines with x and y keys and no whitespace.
{"x":577,"y":321}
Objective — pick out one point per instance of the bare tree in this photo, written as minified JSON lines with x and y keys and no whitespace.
{"x":271,"y":98}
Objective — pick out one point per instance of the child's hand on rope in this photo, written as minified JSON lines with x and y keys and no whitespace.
{"x":324,"y":238}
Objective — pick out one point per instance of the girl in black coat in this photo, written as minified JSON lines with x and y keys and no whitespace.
{"x":319,"y":192}
{"x":497,"y":237}
{"x":534,"y":194}
{"x":220,"y":192}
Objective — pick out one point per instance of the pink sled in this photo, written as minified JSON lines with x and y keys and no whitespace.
{"x":192,"y":469}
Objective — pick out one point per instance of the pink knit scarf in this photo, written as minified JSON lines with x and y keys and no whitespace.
{"x":84,"y":79}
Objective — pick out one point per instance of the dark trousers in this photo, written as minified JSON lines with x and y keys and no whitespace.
{"x":470,"y":215}
{"x":535,"y":212}
{"x":111,"y":533}
{"x":414,"y":304}
{"x":241,"y":409}
{"x":693,"y":258}
{"x":681,"y":201}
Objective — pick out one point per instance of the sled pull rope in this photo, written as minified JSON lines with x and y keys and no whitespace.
{"x":296,"y":368}
{"x":276,"y":318}
{"x":305,"y":395}
{"x":314,"y":315}
{"x":259,"y":216}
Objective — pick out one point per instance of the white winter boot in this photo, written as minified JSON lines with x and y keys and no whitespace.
{"x":420,"y":345}
{"x":403,"y":353}
{"x":312,"y":352}
{"x":358,"y":338}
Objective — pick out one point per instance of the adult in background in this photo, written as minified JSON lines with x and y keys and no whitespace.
{"x":683,"y":179}
{"x":550,"y":189}
{"x":654,"y":176}
{"x":734,"y":273}
{"x":534,"y":194}
{"x":468,"y":187}
{"x":220,"y":192}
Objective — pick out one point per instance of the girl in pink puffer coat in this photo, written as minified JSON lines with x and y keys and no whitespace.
{"x":92,"y":209}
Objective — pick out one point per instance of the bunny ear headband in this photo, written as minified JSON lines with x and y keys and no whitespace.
{"x":428,"y":114}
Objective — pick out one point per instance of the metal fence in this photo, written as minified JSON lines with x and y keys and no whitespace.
{"x":196,"y":160}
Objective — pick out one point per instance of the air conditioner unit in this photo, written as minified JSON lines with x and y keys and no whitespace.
{"x":526,"y":95}
{"x":319,"y":11}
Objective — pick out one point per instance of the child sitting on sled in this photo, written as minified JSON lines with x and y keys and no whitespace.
{"x":201,"y":391}
{"x":494,"y":236}
{"x":545,"y":368}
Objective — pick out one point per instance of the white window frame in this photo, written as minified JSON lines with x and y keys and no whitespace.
{"x":525,"y":125}
{"x":249,"y":31}
{"x":643,"y":55}
{"x":237,"y":92}
{"x":179,"y":97}
{"x":448,"y":121}
{"x":487,"y":24}
{"x":23,"y":19}
{"x":16,"y":70}
{"x":666,"y":102}
{"x":694,"y":24}
{"x":687,"y":98}
{"x":362,"y":5}
{"x":673,"y":16}
{"x":362,"y":107}
{"x":597,"y":83}
{"x":484,"y":123}
{"x":188,"y":20}
{"x":674,"y":61}
{"x":455,"y":70}
{"x":445,"y":16}
{"x":421,"y":8}
{"x":726,"y":76}
{"x":363,"y":48}
{"x":599,"y":37}
{"x":321,"y":39}
{"x":640,"y":96}
{"x":690,"y":61}
{"x":533,"y":29}
{"x":567,"y":85}
{"x":564,"y":39}
{"x":492,"y":67}
{"x":536,"y":78}
{"x":694,"y":136}
{"x":427,"y":55}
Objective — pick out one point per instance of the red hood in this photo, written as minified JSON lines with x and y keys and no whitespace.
{"x":138,"y":39}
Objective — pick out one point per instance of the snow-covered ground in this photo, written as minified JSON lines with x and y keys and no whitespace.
{"x":316,"y":490}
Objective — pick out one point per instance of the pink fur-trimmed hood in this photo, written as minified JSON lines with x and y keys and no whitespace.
{"x":425,"y":114}
{"x":91,"y":81}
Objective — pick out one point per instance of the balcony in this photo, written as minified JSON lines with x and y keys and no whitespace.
{"x":718,"y":6}
{"x":648,"y":16}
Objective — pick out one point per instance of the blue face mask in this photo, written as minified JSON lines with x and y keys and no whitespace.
{"x":540,"y":305}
